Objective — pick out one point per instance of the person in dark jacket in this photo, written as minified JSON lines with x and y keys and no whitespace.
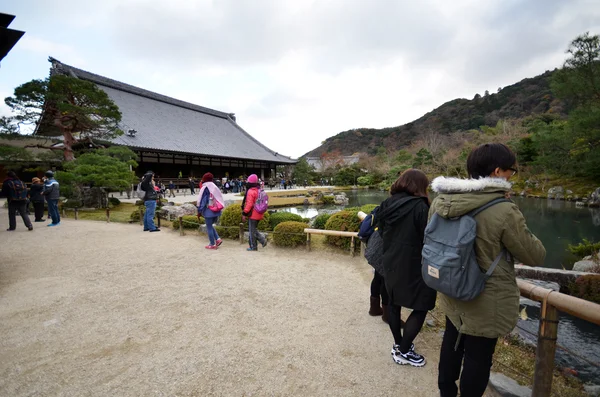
{"x":52,"y":194}
{"x":16,"y":194}
{"x":149,"y":201}
{"x":192,"y":184}
{"x":37,"y":199}
{"x":402,"y":219}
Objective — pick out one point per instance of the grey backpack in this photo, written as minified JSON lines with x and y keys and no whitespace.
{"x":449,"y":261}
{"x":140,"y":193}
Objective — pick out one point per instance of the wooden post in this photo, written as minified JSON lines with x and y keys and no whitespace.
{"x":181,"y":226}
{"x":141,"y":216}
{"x":363,"y":247}
{"x":158,"y":220}
{"x":64,"y":212}
{"x":308,"y":241}
{"x":241,"y":233}
{"x":352,"y":245}
{"x":108,"y":215}
{"x":76,"y":213}
{"x":546,"y":348}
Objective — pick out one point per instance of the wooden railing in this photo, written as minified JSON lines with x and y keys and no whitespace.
{"x":552,"y":302}
{"x":352,"y":236}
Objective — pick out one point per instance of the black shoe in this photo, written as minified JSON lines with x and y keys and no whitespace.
{"x":10,"y":230}
{"x":30,"y":228}
{"x":155,"y":230}
{"x":146,"y":230}
{"x":40,"y":220}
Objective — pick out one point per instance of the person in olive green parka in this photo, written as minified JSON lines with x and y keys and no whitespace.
{"x":473,"y":327}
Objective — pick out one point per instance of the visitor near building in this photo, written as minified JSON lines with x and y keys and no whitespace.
{"x":474,"y":326}
{"x":15,"y":191}
{"x":37,"y":199}
{"x":192,"y":184}
{"x":401,"y":220}
{"x":210,"y":204}
{"x":52,"y":194}
{"x":150,"y":198}
{"x":171,"y":189}
{"x":253,"y":216}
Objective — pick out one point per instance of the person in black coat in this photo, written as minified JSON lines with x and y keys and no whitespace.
{"x":402,"y":219}
{"x":37,"y":199}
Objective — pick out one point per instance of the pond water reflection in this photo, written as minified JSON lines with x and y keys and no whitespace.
{"x":556,"y":223}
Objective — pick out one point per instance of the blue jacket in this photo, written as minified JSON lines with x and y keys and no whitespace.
{"x":51,"y":189}
{"x":203,"y":209}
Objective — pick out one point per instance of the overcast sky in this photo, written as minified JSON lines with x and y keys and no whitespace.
{"x":296,"y":72}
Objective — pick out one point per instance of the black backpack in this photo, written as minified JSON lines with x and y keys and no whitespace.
{"x":18,"y":190}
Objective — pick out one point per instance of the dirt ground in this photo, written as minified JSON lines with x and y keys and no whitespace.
{"x":96,"y":309}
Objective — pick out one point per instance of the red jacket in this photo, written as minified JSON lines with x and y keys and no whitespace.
{"x":251,"y":196}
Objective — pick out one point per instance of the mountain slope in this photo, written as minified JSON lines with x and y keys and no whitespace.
{"x":527,"y":97}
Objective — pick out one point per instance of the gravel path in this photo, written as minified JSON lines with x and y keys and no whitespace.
{"x":97,"y":309}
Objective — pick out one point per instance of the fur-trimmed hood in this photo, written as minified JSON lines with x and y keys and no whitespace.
{"x":456,"y":197}
{"x":442,"y":184}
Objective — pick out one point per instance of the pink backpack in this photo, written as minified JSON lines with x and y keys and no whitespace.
{"x":262,"y":202}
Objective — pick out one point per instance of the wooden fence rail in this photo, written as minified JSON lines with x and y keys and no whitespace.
{"x":552,"y":302}
{"x":352,"y":235}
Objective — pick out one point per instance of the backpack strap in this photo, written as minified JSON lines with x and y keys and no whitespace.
{"x":476,"y":211}
{"x":488,"y":205}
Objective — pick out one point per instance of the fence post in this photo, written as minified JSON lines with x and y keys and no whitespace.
{"x":141,"y":216}
{"x":241,"y":233}
{"x":64,"y":213}
{"x":158,"y":219}
{"x":181,"y":226}
{"x":546,"y":348}
{"x":108,"y":215}
{"x":308,"y":241}
{"x":352,"y":245}
{"x":363,"y":247}
{"x":76,"y":213}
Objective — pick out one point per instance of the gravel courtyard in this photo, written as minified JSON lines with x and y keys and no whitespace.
{"x":96,"y":309}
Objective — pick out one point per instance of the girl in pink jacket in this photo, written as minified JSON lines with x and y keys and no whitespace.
{"x":254,"y":217}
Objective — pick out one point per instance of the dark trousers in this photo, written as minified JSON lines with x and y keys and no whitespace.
{"x":13,"y":207}
{"x":412,"y":326}
{"x":254,"y":234}
{"x":378,"y":288}
{"x":477,"y":353}
{"x":38,"y":209}
{"x":53,"y":210}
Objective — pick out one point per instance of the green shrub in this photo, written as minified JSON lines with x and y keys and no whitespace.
{"x":367,"y":208}
{"x":231,"y":217}
{"x":584,"y":248}
{"x":189,"y":222}
{"x":328,"y":200}
{"x":135,"y":215}
{"x":114,"y":201}
{"x":278,"y":217}
{"x":586,"y":287}
{"x":320,"y":221}
{"x":345,"y":221}
{"x":289,"y":234}
{"x":365,"y":180}
{"x":306,"y":220}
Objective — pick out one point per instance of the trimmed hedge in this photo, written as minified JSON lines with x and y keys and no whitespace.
{"x":231,"y":217}
{"x":345,"y":221}
{"x":587,"y":287}
{"x":114,"y":201}
{"x":327,"y":200}
{"x":295,"y":237}
{"x":320,"y":221}
{"x":135,"y":215}
{"x":367,"y":208}
{"x":189,"y":222}
{"x":277,"y":217}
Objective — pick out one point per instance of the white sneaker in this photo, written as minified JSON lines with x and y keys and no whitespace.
{"x":396,"y":348}
{"x":411,"y":358}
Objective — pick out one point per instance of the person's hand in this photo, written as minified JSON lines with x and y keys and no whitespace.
{"x":244,"y":219}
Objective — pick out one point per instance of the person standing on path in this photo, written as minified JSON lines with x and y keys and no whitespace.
{"x":52,"y":194}
{"x":37,"y":199}
{"x":402,"y":219}
{"x":473,"y":327}
{"x":210,"y":204}
{"x":150,"y":198}
{"x":16,"y":193}
{"x":171,"y":189}
{"x":191,"y":184}
{"x":253,"y":216}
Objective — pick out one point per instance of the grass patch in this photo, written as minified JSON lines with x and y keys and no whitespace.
{"x":120,"y":213}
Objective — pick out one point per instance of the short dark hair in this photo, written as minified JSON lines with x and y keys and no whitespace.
{"x":11,"y":174}
{"x":411,"y":181}
{"x":484,"y":159}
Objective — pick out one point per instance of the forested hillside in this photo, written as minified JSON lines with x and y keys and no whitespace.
{"x":527,"y":97}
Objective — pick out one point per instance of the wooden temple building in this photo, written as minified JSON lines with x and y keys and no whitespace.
{"x":173,"y":137}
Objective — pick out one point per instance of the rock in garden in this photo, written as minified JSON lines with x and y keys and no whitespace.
{"x":584,"y":266}
{"x":508,"y":387}
{"x":555,"y":191}
{"x":595,"y":198}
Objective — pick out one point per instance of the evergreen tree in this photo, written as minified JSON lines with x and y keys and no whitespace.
{"x":64,"y":106}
